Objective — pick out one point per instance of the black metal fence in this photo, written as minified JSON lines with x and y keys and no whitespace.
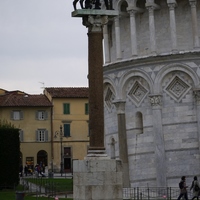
{"x":152,"y":193}
{"x":43,"y":187}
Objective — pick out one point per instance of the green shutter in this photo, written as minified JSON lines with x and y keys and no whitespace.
{"x":86,"y":109}
{"x":66,"y":130}
{"x":66,"y":108}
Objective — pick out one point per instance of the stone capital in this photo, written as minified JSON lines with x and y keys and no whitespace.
{"x":193,"y":3}
{"x":152,"y":6}
{"x":120,"y":106}
{"x":196,"y":93}
{"x":172,"y":6}
{"x":155,"y":100}
{"x":95,"y":23}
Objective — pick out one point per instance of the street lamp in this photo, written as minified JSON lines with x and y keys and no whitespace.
{"x":60,"y":134}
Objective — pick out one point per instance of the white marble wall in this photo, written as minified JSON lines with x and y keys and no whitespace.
{"x":97,"y":179}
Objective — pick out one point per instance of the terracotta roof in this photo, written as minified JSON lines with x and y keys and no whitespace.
{"x":16,"y":98}
{"x":68,"y":92}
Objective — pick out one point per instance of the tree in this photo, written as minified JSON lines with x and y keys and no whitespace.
{"x":9,"y":155}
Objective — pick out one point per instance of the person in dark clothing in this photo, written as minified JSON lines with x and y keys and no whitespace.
{"x":183,"y":189}
{"x":26,"y":170}
{"x":195,"y":186}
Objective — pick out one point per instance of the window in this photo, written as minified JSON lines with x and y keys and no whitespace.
{"x":66,"y":130}
{"x":139,"y":122}
{"x":16,"y":115}
{"x":41,"y":115}
{"x":86,"y":109}
{"x":66,"y":108}
{"x":41,"y":135}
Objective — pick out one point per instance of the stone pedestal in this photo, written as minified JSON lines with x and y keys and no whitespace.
{"x":97,"y":178}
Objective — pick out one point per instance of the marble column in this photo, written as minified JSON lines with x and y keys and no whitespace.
{"x":122,"y":139}
{"x":173,"y":26}
{"x":132,"y":14}
{"x":197,"y":98}
{"x":152,"y":29}
{"x":194,"y":23}
{"x":117,"y":39}
{"x":106,"y":44}
{"x":160,"y":161}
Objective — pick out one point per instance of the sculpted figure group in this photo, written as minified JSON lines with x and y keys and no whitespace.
{"x":89,"y":4}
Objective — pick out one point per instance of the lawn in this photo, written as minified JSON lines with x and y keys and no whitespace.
{"x":60,"y":185}
{"x":10,"y":195}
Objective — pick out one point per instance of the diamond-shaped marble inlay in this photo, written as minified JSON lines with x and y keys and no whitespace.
{"x":109,"y":97}
{"x":177,"y":88}
{"x":137,"y":93}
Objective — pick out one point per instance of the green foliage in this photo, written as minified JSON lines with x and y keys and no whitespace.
{"x":9,"y":155}
{"x":5,"y":124}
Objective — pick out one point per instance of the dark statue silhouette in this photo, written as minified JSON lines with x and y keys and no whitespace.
{"x":89,"y":4}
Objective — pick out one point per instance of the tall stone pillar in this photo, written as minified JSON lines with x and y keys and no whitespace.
{"x":133,"y":32}
{"x":194,"y":23}
{"x":97,"y":177}
{"x":123,"y":150}
{"x":173,"y":26}
{"x":117,"y":38}
{"x":197,"y":98}
{"x":106,"y":44}
{"x":160,"y":162}
{"x":152,"y":31}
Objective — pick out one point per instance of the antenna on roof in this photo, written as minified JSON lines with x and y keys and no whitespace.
{"x":42,"y":85}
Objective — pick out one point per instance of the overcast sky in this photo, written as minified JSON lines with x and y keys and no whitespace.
{"x":41,"y":43}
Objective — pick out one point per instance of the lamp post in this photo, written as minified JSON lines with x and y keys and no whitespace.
{"x":60,"y":134}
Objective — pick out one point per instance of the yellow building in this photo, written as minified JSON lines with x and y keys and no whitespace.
{"x":70,"y":112}
{"x":32,"y":115}
{"x":60,"y":115}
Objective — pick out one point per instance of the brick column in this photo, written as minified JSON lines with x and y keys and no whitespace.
{"x":95,"y":65}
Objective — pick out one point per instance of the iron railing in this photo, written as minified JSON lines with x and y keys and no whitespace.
{"x":152,"y":193}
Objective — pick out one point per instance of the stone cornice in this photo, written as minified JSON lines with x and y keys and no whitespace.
{"x":159,"y":59}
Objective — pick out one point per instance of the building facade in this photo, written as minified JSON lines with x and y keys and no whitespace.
{"x":151,"y":90}
{"x":45,"y":119}
{"x":70,"y":111}
{"x":32,"y":115}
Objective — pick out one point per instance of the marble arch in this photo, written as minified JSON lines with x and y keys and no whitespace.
{"x":174,"y":67}
{"x":130,"y":74}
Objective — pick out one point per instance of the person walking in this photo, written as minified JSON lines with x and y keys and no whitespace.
{"x":196,"y":188}
{"x":183,"y":189}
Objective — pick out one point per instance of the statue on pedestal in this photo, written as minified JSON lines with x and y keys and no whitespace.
{"x":93,"y":4}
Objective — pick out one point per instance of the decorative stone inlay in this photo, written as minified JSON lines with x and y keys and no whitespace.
{"x":137,"y":93}
{"x":177,"y":88}
{"x":109,"y":97}
{"x":155,"y":100}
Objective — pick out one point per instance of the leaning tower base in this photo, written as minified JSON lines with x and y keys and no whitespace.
{"x":97,"y":177}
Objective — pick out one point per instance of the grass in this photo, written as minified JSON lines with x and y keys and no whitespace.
{"x":61,"y":185}
{"x":10,"y":195}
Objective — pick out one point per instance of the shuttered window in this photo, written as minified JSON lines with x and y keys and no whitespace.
{"x":86,"y":109}
{"x":16,"y":115}
{"x":41,"y":135}
{"x":67,"y":130}
{"x":41,"y":115}
{"x":66,"y":108}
